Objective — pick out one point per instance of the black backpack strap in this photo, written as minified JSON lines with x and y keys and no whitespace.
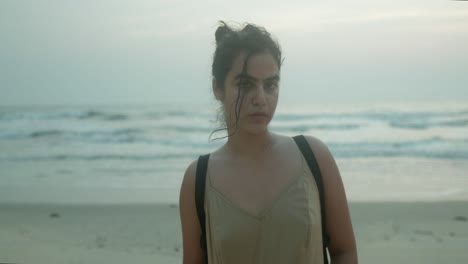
{"x":314,"y":168}
{"x":200,"y":180}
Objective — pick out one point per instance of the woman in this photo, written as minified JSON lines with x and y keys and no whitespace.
{"x":262,"y":202}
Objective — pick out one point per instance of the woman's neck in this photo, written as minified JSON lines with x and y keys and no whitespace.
{"x":250,"y":145}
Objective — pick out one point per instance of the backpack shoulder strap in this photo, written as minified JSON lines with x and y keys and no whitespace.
{"x":314,"y":168}
{"x":200,"y":180}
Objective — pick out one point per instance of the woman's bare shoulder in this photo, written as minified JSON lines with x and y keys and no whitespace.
{"x":214,"y":155}
{"x":191,"y":169}
{"x":326,"y":161}
{"x":320,"y":149}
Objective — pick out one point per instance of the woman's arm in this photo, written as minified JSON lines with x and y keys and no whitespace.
{"x":342,"y":245}
{"x":191,"y":231}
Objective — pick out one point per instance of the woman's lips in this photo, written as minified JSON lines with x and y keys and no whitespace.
{"x":259,"y":116}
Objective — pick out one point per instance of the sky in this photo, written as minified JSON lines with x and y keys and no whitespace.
{"x":145,"y":52}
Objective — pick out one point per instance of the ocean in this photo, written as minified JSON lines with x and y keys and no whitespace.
{"x":138,"y":153}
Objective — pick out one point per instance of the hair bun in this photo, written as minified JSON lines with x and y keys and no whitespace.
{"x":222,"y":31}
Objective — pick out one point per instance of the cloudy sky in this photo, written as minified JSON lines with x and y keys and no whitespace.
{"x":106,"y":52}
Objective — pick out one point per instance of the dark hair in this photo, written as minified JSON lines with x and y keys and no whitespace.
{"x":230,"y":43}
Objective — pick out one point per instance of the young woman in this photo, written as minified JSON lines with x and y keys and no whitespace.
{"x":262,"y":202}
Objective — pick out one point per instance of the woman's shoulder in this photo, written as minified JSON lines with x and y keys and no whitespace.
{"x":323,"y":155}
{"x":188,"y":181}
{"x":192,"y":166}
{"x":191,"y":169}
{"x":319,"y":147}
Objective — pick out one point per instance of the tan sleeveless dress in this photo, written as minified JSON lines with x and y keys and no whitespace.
{"x":287,"y":231}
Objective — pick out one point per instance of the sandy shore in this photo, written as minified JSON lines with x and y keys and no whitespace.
{"x":429,"y":232}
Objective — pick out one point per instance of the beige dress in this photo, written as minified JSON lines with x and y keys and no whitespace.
{"x":287,"y":231}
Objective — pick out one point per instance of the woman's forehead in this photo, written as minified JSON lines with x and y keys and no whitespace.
{"x":259,"y":66}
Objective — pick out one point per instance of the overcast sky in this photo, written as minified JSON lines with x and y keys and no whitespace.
{"x":96,"y":52}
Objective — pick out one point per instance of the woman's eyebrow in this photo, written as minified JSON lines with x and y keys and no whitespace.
{"x":239,"y":76}
{"x":275,"y":77}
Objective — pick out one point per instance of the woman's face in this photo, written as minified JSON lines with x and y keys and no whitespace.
{"x":258,"y":86}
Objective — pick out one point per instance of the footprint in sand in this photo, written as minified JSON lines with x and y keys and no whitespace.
{"x":40,"y":175}
{"x":23,"y":231}
{"x":423,"y":232}
{"x":54,"y":215}
{"x":101,"y":241}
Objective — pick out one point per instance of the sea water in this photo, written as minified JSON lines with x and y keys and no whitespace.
{"x":138,"y":153}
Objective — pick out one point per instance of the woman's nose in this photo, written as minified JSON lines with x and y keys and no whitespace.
{"x":259,"y":96}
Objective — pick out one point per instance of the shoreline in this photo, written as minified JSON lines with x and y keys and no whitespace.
{"x":365,"y":179}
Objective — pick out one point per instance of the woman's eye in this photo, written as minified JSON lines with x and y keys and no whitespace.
{"x":270,"y":86}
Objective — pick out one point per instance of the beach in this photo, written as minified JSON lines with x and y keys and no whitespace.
{"x":386,"y":232}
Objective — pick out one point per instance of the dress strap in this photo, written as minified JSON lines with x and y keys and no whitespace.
{"x":314,"y":168}
{"x":200,"y":182}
